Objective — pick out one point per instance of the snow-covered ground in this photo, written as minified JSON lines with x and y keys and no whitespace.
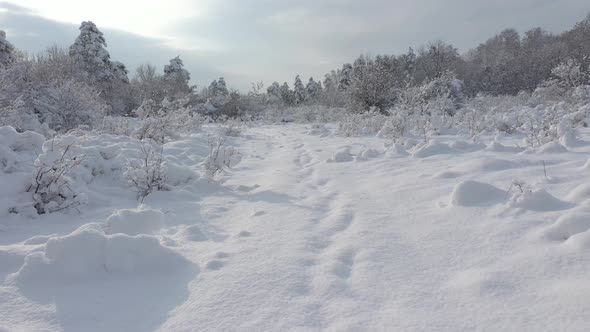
{"x":310,"y":231}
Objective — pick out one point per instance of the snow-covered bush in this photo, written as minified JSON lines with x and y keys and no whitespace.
{"x":231,"y":127}
{"x":396,"y":125}
{"x":302,"y":114}
{"x":519,"y":187}
{"x":116,"y":125}
{"x":157,"y":128}
{"x":161,"y":121}
{"x":17,"y":150}
{"x":361,"y":124}
{"x":52,"y":189}
{"x":30,"y":98}
{"x":148,"y":172}
{"x":68,"y":104}
{"x":221,"y":157}
{"x":16,"y":114}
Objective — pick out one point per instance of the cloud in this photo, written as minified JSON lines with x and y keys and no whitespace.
{"x":275,"y":40}
{"x":33,"y":34}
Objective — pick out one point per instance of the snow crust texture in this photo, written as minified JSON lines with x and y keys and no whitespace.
{"x":310,"y":231}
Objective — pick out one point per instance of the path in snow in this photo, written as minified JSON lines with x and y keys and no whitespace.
{"x":362,"y":245}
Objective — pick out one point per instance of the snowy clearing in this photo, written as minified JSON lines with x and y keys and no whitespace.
{"x":308,"y":231}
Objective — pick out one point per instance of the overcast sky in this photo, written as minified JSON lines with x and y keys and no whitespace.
{"x":268,"y":40}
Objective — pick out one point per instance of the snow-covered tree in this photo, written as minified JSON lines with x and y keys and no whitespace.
{"x":313,"y":90}
{"x":19,"y":116}
{"x":345,"y":77}
{"x":148,"y":83}
{"x":68,"y":104}
{"x":175,"y":70}
{"x":408,"y":63}
{"x":331,"y":95}
{"x":371,"y":85}
{"x":570,"y":74}
{"x":287,"y":94}
{"x":119,"y":71}
{"x":90,"y":54}
{"x":218,"y":88}
{"x":177,"y":78}
{"x":212,"y":89}
{"x":274,"y":91}
{"x":222,"y":87}
{"x":436,"y":58}
{"x":299,"y":90}
{"x":6,"y":51}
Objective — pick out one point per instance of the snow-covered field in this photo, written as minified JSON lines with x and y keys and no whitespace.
{"x":309,"y":231}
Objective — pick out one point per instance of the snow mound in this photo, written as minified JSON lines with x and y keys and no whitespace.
{"x":567,"y":226}
{"x":177,"y":174}
{"x":467,"y":146}
{"x":17,"y":153}
{"x":397,"y":150}
{"x":17,"y":150}
{"x":142,"y":220}
{"x":88,"y":253}
{"x":341,"y":156}
{"x":368,"y":154}
{"x":538,"y":200}
{"x":496,"y":146}
{"x":488,"y":165}
{"x":586,"y":165}
{"x":570,"y":140}
{"x":193,"y":233}
{"x":433,"y":148}
{"x":580,"y":193}
{"x":552,"y":147}
{"x":473,"y":193}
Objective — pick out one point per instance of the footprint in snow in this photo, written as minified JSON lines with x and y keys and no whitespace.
{"x":244,"y":234}
{"x":215,"y":265}
{"x":221,"y":255}
{"x":259,"y":213}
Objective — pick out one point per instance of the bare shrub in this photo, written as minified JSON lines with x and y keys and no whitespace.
{"x":219,"y":159}
{"x":148,"y":172}
{"x":51,"y":187}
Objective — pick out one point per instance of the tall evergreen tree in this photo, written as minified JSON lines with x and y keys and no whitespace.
{"x":176,"y":77}
{"x":6,"y":51}
{"x":313,"y":89}
{"x":222,"y":87}
{"x":287,"y":94}
{"x":299,"y":90}
{"x":89,"y":52}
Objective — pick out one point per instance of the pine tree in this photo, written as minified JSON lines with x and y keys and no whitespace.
{"x":6,"y":51}
{"x":176,"y":78}
{"x":345,"y":77}
{"x":213,"y":88}
{"x":175,"y":71}
{"x":222,"y":87}
{"x":287,"y":94}
{"x":119,"y":71}
{"x":313,"y":89}
{"x":409,"y":65}
{"x":299,"y":91}
{"x":89,"y":52}
{"x":274,"y":90}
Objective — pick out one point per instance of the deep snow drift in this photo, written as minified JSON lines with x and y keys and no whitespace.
{"x":310,"y":231}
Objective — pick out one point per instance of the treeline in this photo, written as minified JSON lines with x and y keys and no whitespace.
{"x":61,"y":89}
{"x":505,"y":64}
